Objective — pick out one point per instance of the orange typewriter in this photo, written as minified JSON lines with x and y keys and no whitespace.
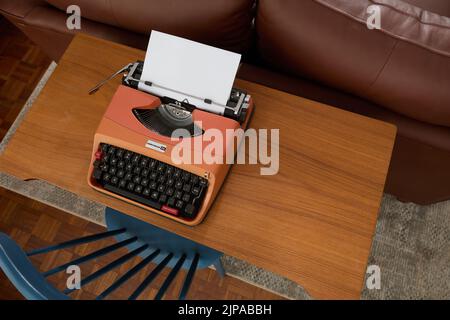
{"x":134,"y":149}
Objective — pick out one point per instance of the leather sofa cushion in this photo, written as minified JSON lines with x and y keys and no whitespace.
{"x":405,"y":66}
{"x":46,"y":26}
{"x":431,"y":135}
{"x":222,"y":23}
{"x":441,"y":7}
{"x":19,"y":8}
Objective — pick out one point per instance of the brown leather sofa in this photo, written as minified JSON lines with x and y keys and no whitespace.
{"x":319,"y":49}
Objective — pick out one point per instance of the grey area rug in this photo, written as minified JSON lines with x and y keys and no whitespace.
{"x":412,"y":248}
{"x":411,"y":245}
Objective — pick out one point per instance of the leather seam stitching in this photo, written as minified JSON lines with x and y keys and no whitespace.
{"x":422,"y":11}
{"x":419,"y":19}
{"x":398,"y":37}
{"x":114,"y":14}
{"x":384,"y":65}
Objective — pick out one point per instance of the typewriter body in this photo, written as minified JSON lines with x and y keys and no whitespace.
{"x":132,"y":152}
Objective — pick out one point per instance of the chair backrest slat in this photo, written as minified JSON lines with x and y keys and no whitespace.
{"x":189,"y":276}
{"x":109,"y":267}
{"x":76,"y":242}
{"x":90,"y":256}
{"x":130,"y":273}
{"x":153,"y":244}
{"x":151,"y":277}
{"x":173,"y":273}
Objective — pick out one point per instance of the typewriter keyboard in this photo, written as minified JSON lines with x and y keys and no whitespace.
{"x":150,"y":182}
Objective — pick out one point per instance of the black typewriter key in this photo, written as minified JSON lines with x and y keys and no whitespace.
{"x":145,"y":172}
{"x":177,"y":173}
{"x":105,"y":168}
{"x":153,"y":175}
{"x":106,"y":177}
{"x":129,"y":167}
{"x":137,"y":170}
{"x":138,"y":189}
{"x":112,"y":171}
{"x":122,"y":183}
{"x":189,"y":210}
{"x":186,"y":197}
{"x":120,"y":173}
{"x":144,"y":162}
{"x":144,"y":182}
{"x":161,"y":168}
{"x":105,"y":159}
{"x":137,"y":179}
{"x":161,"y":179}
{"x":97,"y":175}
{"x":203,"y":182}
{"x":171,"y":202}
{"x":128,"y":176}
{"x":153,"y":185}
{"x":128,"y":155}
{"x":195,"y":191}
{"x":170,"y":182}
{"x":114,"y":180}
{"x":169,"y":192}
{"x":178,"y":194}
{"x":119,"y":153}
{"x":169,"y":170}
{"x":161,"y":188}
{"x":178,"y":184}
{"x":97,"y":163}
{"x":104,"y":147}
{"x":163,"y":198}
{"x":130,"y":186}
{"x":121,"y":164}
{"x":152,"y":163}
{"x":186,"y":176}
{"x":111,"y":150}
{"x":187,"y":188}
{"x":135,"y":159}
{"x":179,"y":204}
{"x":146,"y":192}
{"x":194,"y":180}
{"x":154,"y":195}
{"x":114,"y":161}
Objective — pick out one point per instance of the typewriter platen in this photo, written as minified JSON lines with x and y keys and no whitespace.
{"x":131,"y":157}
{"x":236,"y":107}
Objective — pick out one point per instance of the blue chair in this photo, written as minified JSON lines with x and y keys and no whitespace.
{"x":141,"y":239}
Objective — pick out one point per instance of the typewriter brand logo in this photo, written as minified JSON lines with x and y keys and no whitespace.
{"x":156,"y":146}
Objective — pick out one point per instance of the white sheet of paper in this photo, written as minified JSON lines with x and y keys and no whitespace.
{"x":189,"y":67}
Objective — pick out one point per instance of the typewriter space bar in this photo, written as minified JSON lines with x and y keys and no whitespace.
{"x":132,"y":196}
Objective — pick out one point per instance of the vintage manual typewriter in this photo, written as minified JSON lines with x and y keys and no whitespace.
{"x":132,"y":152}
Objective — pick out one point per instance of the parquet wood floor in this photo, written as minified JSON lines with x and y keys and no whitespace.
{"x":22,"y":64}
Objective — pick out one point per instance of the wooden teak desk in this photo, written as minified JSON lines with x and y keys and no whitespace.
{"x":313,"y":222}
